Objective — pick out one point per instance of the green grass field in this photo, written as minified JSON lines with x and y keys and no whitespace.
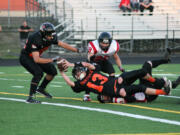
{"x":67,"y":114}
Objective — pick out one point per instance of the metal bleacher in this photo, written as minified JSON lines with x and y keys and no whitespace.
{"x":85,"y":19}
{"x":104,"y":15}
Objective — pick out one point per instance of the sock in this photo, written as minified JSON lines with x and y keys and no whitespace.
{"x":151,"y":79}
{"x":160,"y":92}
{"x":33,"y":88}
{"x":44,"y":83}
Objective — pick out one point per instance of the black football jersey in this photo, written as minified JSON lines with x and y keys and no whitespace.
{"x":36,"y":42}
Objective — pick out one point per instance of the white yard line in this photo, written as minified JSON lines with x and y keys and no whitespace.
{"x":21,"y":80}
{"x":17,"y":86}
{"x":176,"y":97}
{"x":167,"y":75}
{"x":166,"y":121}
{"x":55,"y":86}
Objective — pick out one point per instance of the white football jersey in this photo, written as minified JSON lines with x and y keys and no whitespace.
{"x":94,"y":48}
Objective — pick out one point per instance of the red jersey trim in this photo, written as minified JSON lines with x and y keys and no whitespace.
{"x":40,"y":51}
{"x":94,"y":48}
{"x":117,"y":47}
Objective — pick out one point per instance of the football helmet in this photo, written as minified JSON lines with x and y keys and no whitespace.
{"x":47,"y":29}
{"x":105,"y":38}
{"x":80,"y":70}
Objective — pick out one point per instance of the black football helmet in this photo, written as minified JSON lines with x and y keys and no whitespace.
{"x":105,"y":38}
{"x":47,"y":29}
{"x":77,"y":69}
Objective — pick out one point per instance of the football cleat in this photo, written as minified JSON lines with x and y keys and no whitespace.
{"x":33,"y":101}
{"x":86,"y":98}
{"x":168,"y":87}
{"x":167,"y":55}
{"x":43,"y":92}
{"x":176,"y":83}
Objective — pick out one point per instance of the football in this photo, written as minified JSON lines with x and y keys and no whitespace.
{"x":61,"y":65}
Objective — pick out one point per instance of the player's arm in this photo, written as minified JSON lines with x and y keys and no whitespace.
{"x":67,"y":79}
{"x":91,"y":52}
{"x":38,"y":59}
{"x":118,"y":61}
{"x":67,"y":46}
{"x":88,"y":65}
{"x":85,"y":64}
{"x":90,"y":55}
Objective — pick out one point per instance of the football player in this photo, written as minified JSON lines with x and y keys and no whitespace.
{"x":139,"y":96}
{"x":89,"y":78}
{"x":31,"y":60}
{"x":99,"y":52}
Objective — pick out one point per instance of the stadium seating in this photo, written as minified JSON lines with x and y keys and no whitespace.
{"x":105,"y":15}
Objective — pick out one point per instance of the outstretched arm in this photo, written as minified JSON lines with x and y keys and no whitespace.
{"x":67,"y":79}
{"x":85,"y":64}
{"x":67,"y":46}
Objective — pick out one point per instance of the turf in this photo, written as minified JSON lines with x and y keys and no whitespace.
{"x":18,"y":118}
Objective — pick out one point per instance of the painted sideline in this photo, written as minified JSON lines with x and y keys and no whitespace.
{"x":172,"y":122}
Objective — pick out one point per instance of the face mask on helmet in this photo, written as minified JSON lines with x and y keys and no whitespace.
{"x":104,"y":40}
{"x":79,"y":73}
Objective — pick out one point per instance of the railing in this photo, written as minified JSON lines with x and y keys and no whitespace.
{"x":171,"y":39}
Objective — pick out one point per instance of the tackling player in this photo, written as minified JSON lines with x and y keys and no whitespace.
{"x":31,"y":60}
{"x":141,"y":97}
{"x":99,"y":52}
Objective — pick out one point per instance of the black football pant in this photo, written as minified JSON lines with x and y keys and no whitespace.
{"x":159,"y":83}
{"x":130,"y":77}
{"x":36,"y":70}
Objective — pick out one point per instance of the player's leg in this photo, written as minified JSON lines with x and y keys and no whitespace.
{"x":176,"y":83}
{"x":151,"y":98}
{"x":132,"y":89}
{"x":132,"y":76}
{"x":50,"y":71}
{"x":152,"y":91}
{"x":107,"y":67}
{"x":37,"y":73}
